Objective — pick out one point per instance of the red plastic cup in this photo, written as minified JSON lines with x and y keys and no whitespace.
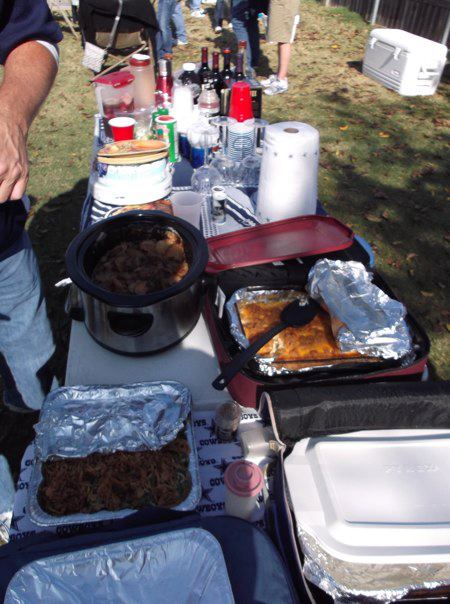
{"x":241,"y":102}
{"x":122,"y":128}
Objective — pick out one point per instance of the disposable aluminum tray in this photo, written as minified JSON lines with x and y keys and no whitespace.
{"x":95,"y":394}
{"x":185,"y":566}
{"x":269,"y":366}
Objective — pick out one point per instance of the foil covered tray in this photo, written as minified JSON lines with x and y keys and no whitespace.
{"x":183,"y":566}
{"x":80,"y":420}
{"x":267,"y":361}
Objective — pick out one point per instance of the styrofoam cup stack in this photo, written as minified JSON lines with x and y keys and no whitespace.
{"x":182,"y":107}
{"x":289,"y":171}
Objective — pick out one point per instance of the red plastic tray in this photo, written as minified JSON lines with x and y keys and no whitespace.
{"x":282,"y":240}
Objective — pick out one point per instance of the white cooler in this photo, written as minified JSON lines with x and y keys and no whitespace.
{"x":404,"y":62}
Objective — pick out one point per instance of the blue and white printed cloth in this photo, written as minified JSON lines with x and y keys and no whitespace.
{"x":214,"y":457}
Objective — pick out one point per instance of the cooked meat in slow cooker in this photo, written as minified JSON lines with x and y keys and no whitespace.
{"x":117,"y":480}
{"x":142,"y":267}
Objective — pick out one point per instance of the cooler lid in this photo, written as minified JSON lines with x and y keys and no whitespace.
{"x":118,"y":79}
{"x":380,"y":496}
{"x":275,"y":241}
{"x":408,"y":42}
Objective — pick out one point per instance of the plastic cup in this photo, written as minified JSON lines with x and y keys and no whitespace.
{"x":122,"y":128}
{"x":187,"y":205}
{"x":241,"y":102}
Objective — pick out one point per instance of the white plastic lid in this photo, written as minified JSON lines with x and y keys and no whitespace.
{"x":188,"y":66}
{"x":376,"y":496}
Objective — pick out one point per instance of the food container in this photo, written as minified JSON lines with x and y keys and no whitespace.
{"x":115,"y":94}
{"x":77,"y":421}
{"x":280,"y":255}
{"x":132,"y":323}
{"x":244,"y":481}
{"x":182,"y":566}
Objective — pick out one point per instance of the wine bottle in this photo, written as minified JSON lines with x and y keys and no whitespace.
{"x":216,"y":77}
{"x":239,"y":71}
{"x":226,"y":73}
{"x":204,"y":73}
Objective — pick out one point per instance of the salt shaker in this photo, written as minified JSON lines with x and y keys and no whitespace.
{"x":226,"y":421}
{"x":218,"y":204}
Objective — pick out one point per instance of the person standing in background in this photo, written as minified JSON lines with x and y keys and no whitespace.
{"x":164,"y":39}
{"x":244,"y":18}
{"x":28,"y":52}
{"x":284,"y":16}
{"x":180,"y":28}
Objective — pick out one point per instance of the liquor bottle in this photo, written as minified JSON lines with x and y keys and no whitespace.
{"x":164,"y":83}
{"x":239,"y":71}
{"x":208,"y":101}
{"x":216,"y":77}
{"x":204,"y":72}
{"x":226,"y":73}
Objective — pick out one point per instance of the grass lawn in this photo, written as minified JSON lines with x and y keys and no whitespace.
{"x":384,"y":167}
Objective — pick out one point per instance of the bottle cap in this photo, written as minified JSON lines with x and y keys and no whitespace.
{"x":244,"y":478}
{"x":188,"y":66}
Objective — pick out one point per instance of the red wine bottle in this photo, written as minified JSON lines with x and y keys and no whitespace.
{"x":239,"y":71}
{"x":216,"y":77}
{"x":226,"y":73}
{"x":204,"y":73}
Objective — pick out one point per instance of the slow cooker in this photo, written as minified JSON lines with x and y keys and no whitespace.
{"x":130,"y":323}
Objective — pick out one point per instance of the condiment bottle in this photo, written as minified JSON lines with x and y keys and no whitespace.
{"x":218,"y":208}
{"x":244,"y":481}
{"x":227,"y":419}
{"x":144,"y":81}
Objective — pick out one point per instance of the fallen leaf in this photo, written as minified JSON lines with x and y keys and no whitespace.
{"x":343,"y":128}
{"x":411,"y":257}
{"x":383,"y":135}
{"x":448,"y":326}
{"x":397,"y":243}
{"x":372,"y":218}
{"x":426,"y":294}
{"x":334,"y":46}
{"x":386,"y":215}
{"x":379,"y":194}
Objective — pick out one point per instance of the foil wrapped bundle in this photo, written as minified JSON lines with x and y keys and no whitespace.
{"x":371,"y":322}
{"x":78,"y":421}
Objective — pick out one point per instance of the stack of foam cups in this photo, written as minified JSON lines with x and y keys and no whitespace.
{"x":241,"y":131}
{"x":289,"y":170}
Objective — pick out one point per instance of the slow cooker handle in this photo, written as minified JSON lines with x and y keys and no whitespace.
{"x":126,"y":324}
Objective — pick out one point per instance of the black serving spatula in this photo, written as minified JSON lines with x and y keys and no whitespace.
{"x":294,"y":315}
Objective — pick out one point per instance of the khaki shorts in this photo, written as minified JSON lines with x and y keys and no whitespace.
{"x":284,"y":16}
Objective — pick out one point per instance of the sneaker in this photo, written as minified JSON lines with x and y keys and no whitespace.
{"x":218,"y":29}
{"x":198,"y":14}
{"x":269,"y":81}
{"x":181,"y":43}
{"x":277,"y":87}
{"x":230,"y":26}
{"x":210,"y":2}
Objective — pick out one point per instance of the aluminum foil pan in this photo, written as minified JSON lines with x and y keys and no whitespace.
{"x":94,"y":394}
{"x":185,"y":566}
{"x":267,"y":365}
{"x":373,"y":323}
{"x":346,"y":582}
{"x":80,"y":420}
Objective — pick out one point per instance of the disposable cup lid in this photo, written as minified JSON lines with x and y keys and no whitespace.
{"x":244,"y":478}
{"x":188,"y":66}
{"x":139,"y":60}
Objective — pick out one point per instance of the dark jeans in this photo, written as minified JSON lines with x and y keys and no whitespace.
{"x":245,"y":26}
{"x":218,"y":13}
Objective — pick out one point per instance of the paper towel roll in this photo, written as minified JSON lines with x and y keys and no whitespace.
{"x":289,"y":168}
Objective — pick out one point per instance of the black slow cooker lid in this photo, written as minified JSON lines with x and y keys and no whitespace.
{"x":87,"y":243}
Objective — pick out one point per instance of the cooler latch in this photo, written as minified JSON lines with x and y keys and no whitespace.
{"x":372,"y":42}
{"x":397,"y":53}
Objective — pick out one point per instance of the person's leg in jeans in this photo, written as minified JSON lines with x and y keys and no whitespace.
{"x":253,"y":36}
{"x":166,"y":8}
{"x":178,"y":21}
{"x":218,"y":14}
{"x":195,"y":7}
{"x":240,"y":14}
{"x":26,"y":342}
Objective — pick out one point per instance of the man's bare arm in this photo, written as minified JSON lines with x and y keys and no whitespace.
{"x":28,"y":76}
